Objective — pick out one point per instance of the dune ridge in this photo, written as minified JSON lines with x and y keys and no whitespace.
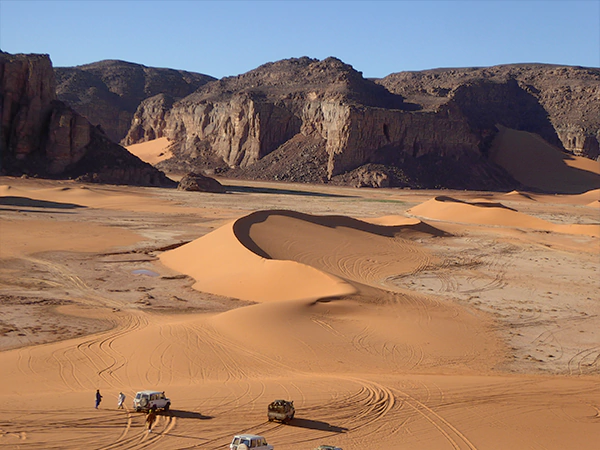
{"x":221,"y":264}
{"x":287,"y":255}
{"x":492,"y":213}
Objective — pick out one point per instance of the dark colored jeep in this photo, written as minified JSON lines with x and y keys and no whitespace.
{"x":281,"y":410}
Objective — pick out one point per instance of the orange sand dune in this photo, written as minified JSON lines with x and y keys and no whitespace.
{"x":222,"y":265}
{"x":153,"y":151}
{"x":77,"y":195}
{"x":279,"y":255}
{"x":522,"y":196}
{"x":490,"y":213}
{"x":588,"y":198}
{"x":537,"y":164}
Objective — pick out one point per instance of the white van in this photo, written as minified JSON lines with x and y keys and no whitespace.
{"x":146,"y":400}
{"x":250,"y":442}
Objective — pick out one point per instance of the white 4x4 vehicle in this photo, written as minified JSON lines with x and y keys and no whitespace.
{"x":146,"y":400}
{"x":249,"y":442}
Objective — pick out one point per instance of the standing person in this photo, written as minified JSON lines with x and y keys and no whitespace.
{"x":151,"y":418}
{"x":121,"y":400}
{"x":98,"y":398}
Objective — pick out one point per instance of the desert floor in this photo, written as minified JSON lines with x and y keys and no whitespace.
{"x":392,"y":318}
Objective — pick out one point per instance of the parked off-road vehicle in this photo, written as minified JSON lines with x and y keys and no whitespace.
{"x":249,"y":442}
{"x":146,"y":400}
{"x":281,"y":410}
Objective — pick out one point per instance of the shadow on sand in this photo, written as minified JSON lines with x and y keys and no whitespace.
{"x":185,"y":414}
{"x":264,"y":190}
{"x":31,"y":203}
{"x":316,"y":425}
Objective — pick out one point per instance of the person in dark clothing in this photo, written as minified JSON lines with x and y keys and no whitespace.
{"x":151,"y":418}
{"x":98,"y":398}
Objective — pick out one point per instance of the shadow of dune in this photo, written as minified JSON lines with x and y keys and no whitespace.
{"x":37,"y":211}
{"x":443,"y":198}
{"x":32,"y":203}
{"x":264,"y":190}
{"x":316,"y":425}
{"x":241,"y":227}
{"x":185,"y":414}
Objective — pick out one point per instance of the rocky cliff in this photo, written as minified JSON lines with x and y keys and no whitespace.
{"x":569,"y":96}
{"x":42,"y":136}
{"x":108,"y":92}
{"x":309,"y":120}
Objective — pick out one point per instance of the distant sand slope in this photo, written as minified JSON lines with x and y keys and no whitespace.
{"x":589,"y":198}
{"x":537,"y":164}
{"x":489,"y":213}
{"x":285,"y":255}
{"x":153,"y":151}
{"x":76,"y":195}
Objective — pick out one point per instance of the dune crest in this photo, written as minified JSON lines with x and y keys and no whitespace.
{"x":488,"y":213}
{"x":222,"y":265}
{"x":287,"y":255}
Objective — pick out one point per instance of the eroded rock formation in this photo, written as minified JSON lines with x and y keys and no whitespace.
{"x":108,"y":93}
{"x":309,"y":120}
{"x":568,"y":95}
{"x":42,"y":136}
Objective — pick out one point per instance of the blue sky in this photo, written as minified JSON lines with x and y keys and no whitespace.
{"x":223,"y":38}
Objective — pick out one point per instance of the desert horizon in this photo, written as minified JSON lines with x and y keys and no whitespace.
{"x":391,"y":317}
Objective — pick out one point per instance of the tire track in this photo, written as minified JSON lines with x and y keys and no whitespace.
{"x":452,"y":434}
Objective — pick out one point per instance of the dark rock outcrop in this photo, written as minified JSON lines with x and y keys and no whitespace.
{"x":200,"y":183}
{"x":321,"y":121}
{"x":569,"y":96}
{"x":42,"y":136}
{"x":108,"y":92}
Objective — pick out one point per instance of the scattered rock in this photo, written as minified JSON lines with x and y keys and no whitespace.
{"x":200,"y":183}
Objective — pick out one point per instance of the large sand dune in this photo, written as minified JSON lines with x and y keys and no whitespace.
{"x":153,"y":151}
{"x":539,"y":165}
{"x":464,"y":321}
{"x":495,"y":214}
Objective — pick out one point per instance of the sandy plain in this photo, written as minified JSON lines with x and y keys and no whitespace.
{"x":393,"y":318}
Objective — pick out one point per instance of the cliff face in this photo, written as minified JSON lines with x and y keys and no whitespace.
{"x":108,"y":93}
{"x":569,"y":96}
{"x":22,"y":121}
{"x":430,"y":129}
{"x":42,"y":136}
